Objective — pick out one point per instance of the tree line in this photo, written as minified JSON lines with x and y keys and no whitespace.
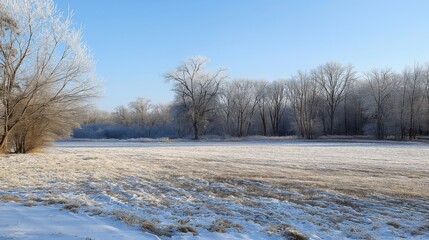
{"x":330,"y":99}
{"x":47,"y":84}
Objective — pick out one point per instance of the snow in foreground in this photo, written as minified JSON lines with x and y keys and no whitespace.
{"x":48,"y":222}
{"x":254,"y":190}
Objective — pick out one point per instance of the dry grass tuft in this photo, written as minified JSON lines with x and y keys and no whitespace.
{"x":183,"y":221}
{"x":29,"y":203}
{"x":56,"y":200}
{"x":117,"y":195}
{"x":151,"y":226}
{"x":187,"y":229}
{"x":96,"y":212}
{"x":221,"y":224}
{"x":71,"y":207}
{"x":154,"y":228}
{"x":128,"y":218}
{"x":421,"y":230}
{"x":287,"y":231}
{"x":35,"y":199}
{"x":10,"y":198}
{"x":394,"y":224}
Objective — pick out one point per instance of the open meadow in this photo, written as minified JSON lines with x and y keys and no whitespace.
{"x":265,"y":189}
{"x":309,"y":120}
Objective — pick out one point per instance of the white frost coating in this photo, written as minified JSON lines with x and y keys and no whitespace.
{"x":48,"y":222}
{"x":327,"y":190}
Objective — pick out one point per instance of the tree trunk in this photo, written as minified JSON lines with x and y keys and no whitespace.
{"x":264,"y":124}
{"x":345,"y":116}
{"x":411,"y":131}
{"x":5,"y":138}
{"x":325,"y":132}
{"x":331,"y":121}
{"x":3,"y":144}
{"x":380,"y":130}
{"x":195,"y":125}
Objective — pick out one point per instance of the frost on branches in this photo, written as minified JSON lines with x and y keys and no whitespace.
{"x":46,"y":74}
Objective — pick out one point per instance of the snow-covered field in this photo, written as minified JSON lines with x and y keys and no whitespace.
{"x":265,"y":189}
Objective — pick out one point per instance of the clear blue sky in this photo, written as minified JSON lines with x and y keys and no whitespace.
{"x":134,"y":42}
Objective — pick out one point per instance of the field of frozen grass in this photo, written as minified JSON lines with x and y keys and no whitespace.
{"x":264,"y":189}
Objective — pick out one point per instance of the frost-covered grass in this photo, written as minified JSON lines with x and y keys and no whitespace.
{"x":269,"y":189}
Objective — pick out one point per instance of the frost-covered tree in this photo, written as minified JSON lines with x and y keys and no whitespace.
{"x":196,"y":91}
{"x":413,"y":96}
{"x":241,"y":98}
{"x":262,"y":105}
{"x":122,"y":115}
{"x":94,"y":116}
{"x":426,"y":82}
{"x":304,"y":100}
{"x":333,"y":79}
{"x":160,"y":114}
{"x":45,"y":74}
{"x":381,"y":85}
{"x":355,"y":119}
{"x":277,"y":99}
{"x":140,"y":111}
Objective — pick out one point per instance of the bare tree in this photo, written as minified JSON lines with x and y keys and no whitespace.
{"x":160,"y":114}
{"x":382,"y":84}
{"x":426,"y":78}
{"x":94,"y":116}
{"x":45,"y":70}
{"x":242,"y":97}
{"x":333,"y":79}
{"x":122,"y":115}
{"x":356,"y":117}
{"x":413,"y":97}
{"x":303,"y":95}
{"x":277,"y":98}
{"x":196,"y":91}
{"x":262,"y":105}
{"x":140,"y":111}
{"x":42,"y":127}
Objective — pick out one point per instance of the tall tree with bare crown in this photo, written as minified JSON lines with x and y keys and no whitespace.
{"x":196,"y":90}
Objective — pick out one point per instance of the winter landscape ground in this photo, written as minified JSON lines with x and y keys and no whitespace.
{"x":264,"y":189}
